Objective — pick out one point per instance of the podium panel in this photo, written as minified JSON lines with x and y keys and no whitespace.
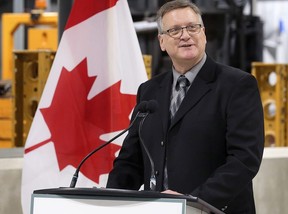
{"x":94,"y":200}
{"x":43,"y":204}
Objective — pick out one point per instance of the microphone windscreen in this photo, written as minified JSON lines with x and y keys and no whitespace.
{"x":142,"y":107}
{"x":152,"y":106}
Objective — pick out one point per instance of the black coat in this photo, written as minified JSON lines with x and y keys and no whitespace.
{"x":213,"y":146}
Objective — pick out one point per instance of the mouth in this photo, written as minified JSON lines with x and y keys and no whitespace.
{"x":185,"y":46}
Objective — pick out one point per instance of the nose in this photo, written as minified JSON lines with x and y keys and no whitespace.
{"x":185,"y":33}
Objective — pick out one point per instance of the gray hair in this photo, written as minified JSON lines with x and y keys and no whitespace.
{"x":173,"y":5}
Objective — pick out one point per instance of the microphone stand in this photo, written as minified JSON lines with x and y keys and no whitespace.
{"x":152,"y":177}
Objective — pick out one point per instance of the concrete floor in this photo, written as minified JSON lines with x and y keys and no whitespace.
{"x":270,"y":185}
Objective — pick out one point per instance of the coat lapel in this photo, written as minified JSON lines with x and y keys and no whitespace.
{"x":163,"y":97}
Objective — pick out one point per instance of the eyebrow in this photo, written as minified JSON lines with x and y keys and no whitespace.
{"x":190,"y":23}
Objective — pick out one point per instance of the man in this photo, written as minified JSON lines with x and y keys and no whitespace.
{"x":212,"y":146}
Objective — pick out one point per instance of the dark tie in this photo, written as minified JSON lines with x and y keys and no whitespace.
{"x":181,"y":88}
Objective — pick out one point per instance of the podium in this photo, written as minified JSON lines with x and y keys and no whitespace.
{"x":100,"y":200}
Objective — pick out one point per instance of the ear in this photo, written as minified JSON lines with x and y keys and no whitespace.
{"x":204,"y":30}
{"x":205,"y":34}
{"x":161,"y":42}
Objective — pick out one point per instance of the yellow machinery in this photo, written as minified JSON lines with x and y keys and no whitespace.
{"x":16,"y":108}
{"x":272,"y":82}
{"x":6,"y":125}
{"x":31,"y":72}
{"x":148,"y":65}
{"x":10,"y":23}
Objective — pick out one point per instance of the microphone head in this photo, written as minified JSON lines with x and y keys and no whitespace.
{"x":152,"y":106}
{"x":142,"y":107}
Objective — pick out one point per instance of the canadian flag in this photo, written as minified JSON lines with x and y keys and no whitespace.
{"x":88,"y":99}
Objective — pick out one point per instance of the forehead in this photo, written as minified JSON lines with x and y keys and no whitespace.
{"x":180,"y":16}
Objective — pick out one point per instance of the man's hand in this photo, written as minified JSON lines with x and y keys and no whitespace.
{"x":168,"y":191}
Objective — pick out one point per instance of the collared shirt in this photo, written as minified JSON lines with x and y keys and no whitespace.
{"x":190,"y":75}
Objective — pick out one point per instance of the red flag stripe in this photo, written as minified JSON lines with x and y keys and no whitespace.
{"x":27,"y":150}
{"x":88,"y":8}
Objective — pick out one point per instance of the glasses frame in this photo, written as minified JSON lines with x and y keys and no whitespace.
{"x":197,"y":26}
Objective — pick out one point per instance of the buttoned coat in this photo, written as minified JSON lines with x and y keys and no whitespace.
{"x":213,"y":146}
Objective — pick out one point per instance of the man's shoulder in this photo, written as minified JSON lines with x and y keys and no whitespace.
{"x":231,"y":72}
{"x":159,"y":78}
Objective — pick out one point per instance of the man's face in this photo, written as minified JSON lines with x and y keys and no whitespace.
{"x":188,"y":49}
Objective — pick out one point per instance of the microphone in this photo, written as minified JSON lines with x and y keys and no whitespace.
{"x":151,"y":107}
{"x":142,"y":107}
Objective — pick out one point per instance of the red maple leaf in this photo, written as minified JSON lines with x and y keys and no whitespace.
{"x":76,"y":123}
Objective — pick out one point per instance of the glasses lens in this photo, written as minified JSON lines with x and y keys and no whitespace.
{"x":194,"y":29}
{"x":175,"y":32}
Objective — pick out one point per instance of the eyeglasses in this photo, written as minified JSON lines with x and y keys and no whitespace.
{"x":177,"y":32}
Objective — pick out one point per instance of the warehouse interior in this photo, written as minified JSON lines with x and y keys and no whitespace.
{"x":248,"y":34}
